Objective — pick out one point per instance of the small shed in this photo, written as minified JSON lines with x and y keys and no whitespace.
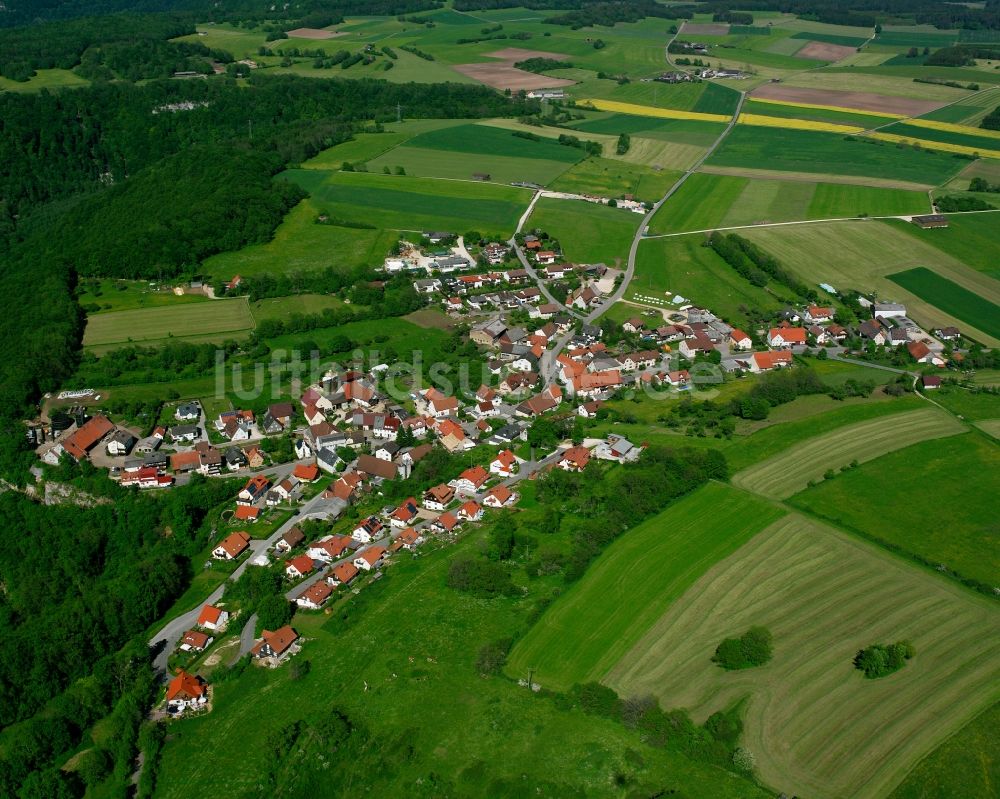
{"x":928,"y":221}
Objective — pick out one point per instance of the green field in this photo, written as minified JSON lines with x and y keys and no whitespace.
{"x":790,"y":471}
{"x":970,"y":238}
{"x":282,"y":307}
{"x":684,"y":131}
{"x":707,"y":201}
{"x":814,"y":152}
{"x":967,"y":764}
{"x":435,"y":727}
{"x":408,"y":203}
{"x":605,"y":177}
{"x":752,"y":106}
{"x":953,"y":523}
{"x":486,"y":139}
{"x":588,"y":233}
{"x":584,"y":634}
{"x":983,"y":143}
{"x":831,"y":38}
{"x":362,"y":148}
{"x":203,"y":321}
{"x":123,"y":295}
{"x":816,"y":726}
{"x":859,"y":255}
{"x":45,"y":79}
{"x":683,"y":265}
{"x":300,"y":245}
{"x":951,"y":298}
{"x":462,"y":166}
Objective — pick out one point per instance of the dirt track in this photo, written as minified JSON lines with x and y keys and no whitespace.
{"x":862,"y":100}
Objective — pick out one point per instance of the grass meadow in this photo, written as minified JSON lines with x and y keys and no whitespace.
{"x":606,"y":177}
{"x":123,"y":295}
{"x":399,"y":659}
{"x":598,"y":619}
{"x":948,"y":519}
{"x":816,"y":726}
{"x":683,"y":265}
{"x":587,"y":232}
{"x":967,"y":764}
{"x":970,"y":238}
{"x":951,"y":298}
{"x":816,"y":152}
{"x":860,"y":254}
{"x":707,"y":201}
{"x":792,"y":470}
{"x":410,"y":203}
{"x":300,"y":245}
{"x":203,"y":321}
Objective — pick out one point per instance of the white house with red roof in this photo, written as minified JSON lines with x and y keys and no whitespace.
{"x":504,"y":464}
{"x":213,"y":618}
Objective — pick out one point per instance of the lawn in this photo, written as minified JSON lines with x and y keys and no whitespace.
{"x":971,"y":238}
{"x":816,"y":152}
{"x":614,"y":178}
{"x":790,"y":471}
{"x":361,"y":148}
{"x":967,"y":764}
{"x":683,"y":265}
{"x":409,"y":203}
{"x":283,"y":307}
{"x":301,"y":245}
{"x":45,"y":79}
{"x":975,"y":407}
{"x":707,"y":201}
{"x":218,"y":320}
{"x":950,"y":519}
{"x":815,"y":725}
{"x":124,"y":295}
{"x":588,"y":233}
{"x":951,"y":298}
{"x":403,"y":668}
{"x":859,"y":255}
{"x":597,"y":620}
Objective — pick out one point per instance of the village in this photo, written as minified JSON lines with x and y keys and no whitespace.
{"x":533,"y":317}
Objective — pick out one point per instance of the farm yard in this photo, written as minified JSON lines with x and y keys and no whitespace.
{"x":809,"y":716}
{"x":202,"y":321}
{"x":628,"y":588}
{"x":791,"y":471}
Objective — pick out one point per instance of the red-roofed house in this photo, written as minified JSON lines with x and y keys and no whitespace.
{"x":786,"y":336}
{"x":299,"y":566}
{"x":87,"y":437}
{"x":504,"y":464}
{"x":575,"y":459}
{"x":306,"y":472}
{"x":315,"y":596}
{"x":470,"y":512}
{"x":370,"y":558}
{"x":232,"y":546}
{"x":368,"y":530}
{"x":499,"y":497}
{"x":277,"y":644}
{"x":329,"y":548}
{"x":246,"y":513}
{"x":772,"y":359}
{"x":342,"y":574}
{"x":405,"y":514}
{"x":195,"y":641}
{"x":471,"y":480}
{"x":186,"y":691}
{"x":445,"y":523}
{"x":739,"y":340}
{"x":213,"y":618}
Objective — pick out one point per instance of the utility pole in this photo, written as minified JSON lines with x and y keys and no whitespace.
{"x":530,"y":674}
{"x":250,"y":126}
{"x":399,"y":112}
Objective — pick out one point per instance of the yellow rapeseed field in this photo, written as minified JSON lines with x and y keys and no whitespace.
{"x":950,"y":127}
{"x":946,"y":147}
{"x":839,"y":108}
{"x":652,"y":111}
{"x":760,"y":120}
